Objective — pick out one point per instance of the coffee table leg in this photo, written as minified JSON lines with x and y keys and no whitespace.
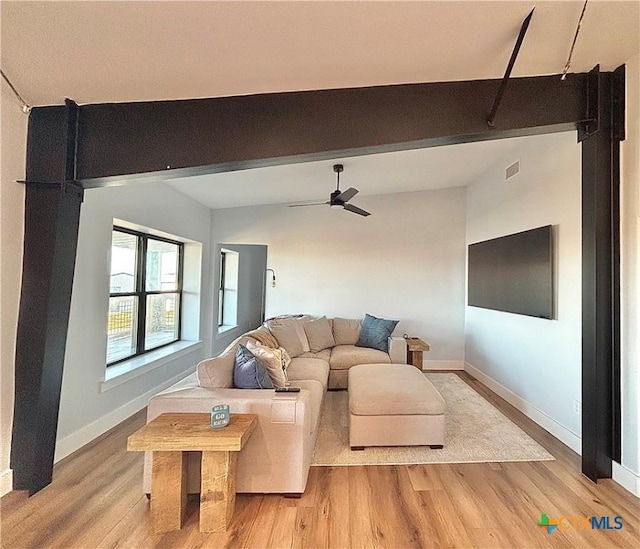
{"x":168,"y":491}
{"x":217,"y":490}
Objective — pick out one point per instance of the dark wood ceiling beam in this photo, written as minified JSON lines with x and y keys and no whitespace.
{"x":164,"y":139}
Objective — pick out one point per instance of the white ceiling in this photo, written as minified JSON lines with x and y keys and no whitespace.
{"x":132,"y":51}
{"x":404,"y":171}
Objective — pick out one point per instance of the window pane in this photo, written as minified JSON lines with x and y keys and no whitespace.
{"x":123,"y":262}
{"x":162,"y":266}
{"x":121,"y":327}
{"x":228,"y":311}
{"x":220,"y":306}
{"x":162,"y":320}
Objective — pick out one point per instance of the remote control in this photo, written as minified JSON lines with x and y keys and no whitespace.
{"x":287,"y":389}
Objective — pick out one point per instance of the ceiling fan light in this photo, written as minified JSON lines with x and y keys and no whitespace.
{"x":336,"y":206}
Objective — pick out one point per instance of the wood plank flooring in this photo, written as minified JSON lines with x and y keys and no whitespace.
{"x":96,"y":500}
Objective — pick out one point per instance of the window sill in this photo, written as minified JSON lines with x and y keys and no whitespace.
{"x":226,"y":328}
{"x":140,"y":365}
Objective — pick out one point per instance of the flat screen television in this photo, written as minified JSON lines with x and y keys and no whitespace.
{"x":513,"y":273}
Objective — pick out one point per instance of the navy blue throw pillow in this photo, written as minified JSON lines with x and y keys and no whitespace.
{"x":375,"y":333}
{"x":249,"y":372}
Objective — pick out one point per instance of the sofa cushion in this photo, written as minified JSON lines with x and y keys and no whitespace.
{"x":319,"y":334}
{"x":346,"y":331}
{"x":308,"y":368}
{"x":290,"y":334}
{"x":325,"y":355}
{"x":345,"y":356}
{"x":392,"y":390}
{"x":275,"y":360}
{"x":375,"y":333}
{"x":249,"y":372}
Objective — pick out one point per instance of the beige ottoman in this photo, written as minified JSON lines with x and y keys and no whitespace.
{"x":393,"y":405}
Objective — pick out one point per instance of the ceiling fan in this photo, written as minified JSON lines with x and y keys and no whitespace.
{"x":339,"y":199}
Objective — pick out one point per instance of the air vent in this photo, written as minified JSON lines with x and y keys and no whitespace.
{"x":512,"y":170}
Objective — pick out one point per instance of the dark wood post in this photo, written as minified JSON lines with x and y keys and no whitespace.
{"x":52,"y":216}
{"x":600,"y":276}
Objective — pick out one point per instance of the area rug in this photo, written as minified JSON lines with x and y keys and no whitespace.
{"x":476,"y":432}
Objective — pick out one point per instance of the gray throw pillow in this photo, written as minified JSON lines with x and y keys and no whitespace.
{"x":375,"y":333}
{"x":249,"y":372}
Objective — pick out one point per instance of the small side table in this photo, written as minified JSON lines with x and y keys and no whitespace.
{"x":415,"y":348}
{"x":169,"y":437}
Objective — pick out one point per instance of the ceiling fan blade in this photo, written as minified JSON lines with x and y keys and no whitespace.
{"x":347,"y":195}
{"x":356,"y":210}
{"x":314,"y":204}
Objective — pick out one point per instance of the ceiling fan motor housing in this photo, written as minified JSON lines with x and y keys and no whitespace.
{"x":334,"y":196}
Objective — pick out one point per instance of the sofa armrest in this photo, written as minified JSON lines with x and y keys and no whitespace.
{"x":398,"y":350}
{"x":262,"y":402}
{"x":278,"y":454}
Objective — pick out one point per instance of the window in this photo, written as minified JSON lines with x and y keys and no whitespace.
{"x":223,"y":267}
{"x":145,"y":294}
{"x":228,"y":290}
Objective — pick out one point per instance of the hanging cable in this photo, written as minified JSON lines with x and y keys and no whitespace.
{"x":25,"y":106}
{"x":575,"y":38}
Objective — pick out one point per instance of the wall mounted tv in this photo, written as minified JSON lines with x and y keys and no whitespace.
{"x":513,"y":273}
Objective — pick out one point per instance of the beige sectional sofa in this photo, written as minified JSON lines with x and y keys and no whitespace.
{"x":278,"y":455}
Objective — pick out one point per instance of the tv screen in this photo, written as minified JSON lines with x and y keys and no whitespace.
{"x":513,"y":273}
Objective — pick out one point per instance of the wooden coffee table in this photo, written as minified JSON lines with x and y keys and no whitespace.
{"x":415,"y":348}
{"x":169,"y":437}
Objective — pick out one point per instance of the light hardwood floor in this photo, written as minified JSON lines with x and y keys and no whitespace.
{"x":96,"y":500}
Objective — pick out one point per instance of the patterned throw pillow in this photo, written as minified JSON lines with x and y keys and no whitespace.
{"x":249,"y":372}
{"x":275,"y":360}
{"x":375,"y":333}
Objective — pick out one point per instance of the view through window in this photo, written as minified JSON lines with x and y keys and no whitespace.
{"x":228,"y":289}
{"x":145,"y":294}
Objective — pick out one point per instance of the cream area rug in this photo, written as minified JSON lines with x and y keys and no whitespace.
{"x":475,"y":432}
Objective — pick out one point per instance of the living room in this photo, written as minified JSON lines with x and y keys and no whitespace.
{"x":399,"y":263}
{"x":407,"y":261}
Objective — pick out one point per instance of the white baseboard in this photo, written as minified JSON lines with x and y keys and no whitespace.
{"x":86,"y":434}
{"x":6,"y":482}
{"x":626,"y":478}
{"x":571,"y":439}
{"x":443,"y":364}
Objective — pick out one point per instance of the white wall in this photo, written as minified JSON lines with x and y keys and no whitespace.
{"x":538,"y":361}
{"x":251,"y":266}
{"x":85,"y":411}
{"x":13,"y":135}
{"x":405,"y":261}
{"x":630,"y":276}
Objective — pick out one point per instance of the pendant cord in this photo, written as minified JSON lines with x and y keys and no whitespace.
{"x":573,"y":45}
{"x":25,"y":106}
